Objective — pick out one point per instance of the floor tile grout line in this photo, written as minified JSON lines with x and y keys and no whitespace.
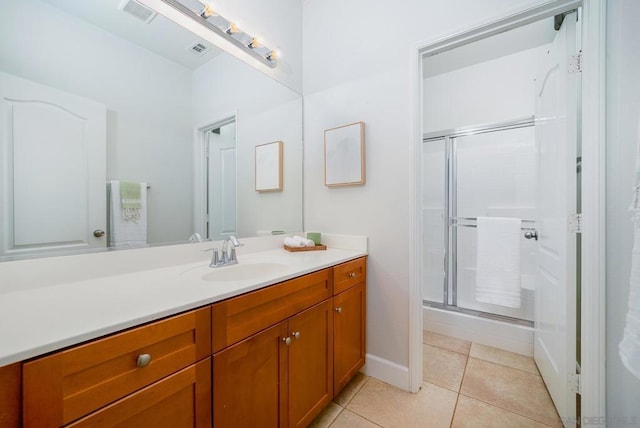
{"x":357,"y":391}
{"x":506,"y":410}
{"x":504,"y":365}
{"x":363,"y":417}
{"x":337,"y":416}
{"x":453,"y":415}
{"x":509,"y":367}
{"x":464,"y":372}
{"x":447,"y":349}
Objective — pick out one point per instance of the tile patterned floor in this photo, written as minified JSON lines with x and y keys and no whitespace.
{"x":465,"y":385}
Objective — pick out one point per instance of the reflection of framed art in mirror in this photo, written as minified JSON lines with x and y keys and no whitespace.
{"x":268,"y":167}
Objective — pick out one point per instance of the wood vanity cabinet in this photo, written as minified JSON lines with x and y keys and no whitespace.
{"x":283,"y":352}
{"x":137,"y":375}
{"x":281,"y":376}
{"x":10,"y":393}
{"x":274,"y":357}
{"x":349,"y":335}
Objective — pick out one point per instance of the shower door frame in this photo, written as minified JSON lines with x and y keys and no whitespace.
{"x":593,"y":237}
{"x":450,"y":282}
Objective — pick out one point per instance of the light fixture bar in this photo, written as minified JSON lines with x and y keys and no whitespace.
{"x":227,"y":29}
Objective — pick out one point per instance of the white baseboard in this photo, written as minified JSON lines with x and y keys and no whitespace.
{"x":387,"y":371}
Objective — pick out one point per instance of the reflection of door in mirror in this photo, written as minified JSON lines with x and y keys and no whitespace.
{"x":54,"y":167}
{"x":221,"y":180}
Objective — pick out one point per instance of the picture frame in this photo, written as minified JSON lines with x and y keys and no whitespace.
{"x":268,"y":167}
{"x":344,"y":155}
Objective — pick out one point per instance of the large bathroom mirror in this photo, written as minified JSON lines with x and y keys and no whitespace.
{"x":162,"y":107}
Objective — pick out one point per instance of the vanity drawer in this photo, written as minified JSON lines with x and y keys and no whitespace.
{"x":66,"y":385}
{"x":239,"y":317}
{"x":348,"y":274}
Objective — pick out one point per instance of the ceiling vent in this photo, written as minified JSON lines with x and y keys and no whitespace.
{"x":198,"y":48}
{"x":137,"y":10}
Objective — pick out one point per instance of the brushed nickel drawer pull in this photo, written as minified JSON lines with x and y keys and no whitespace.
{"x":352,"y":274}
{"x":143,"y":360}
{"x":338,"y":309}
{"x":296,"y":335}
{"x":286,"y":340}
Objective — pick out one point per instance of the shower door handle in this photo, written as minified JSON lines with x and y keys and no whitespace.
{"x":531,"y":235}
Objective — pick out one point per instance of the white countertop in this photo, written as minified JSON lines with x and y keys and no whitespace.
{"x":40,"y":319}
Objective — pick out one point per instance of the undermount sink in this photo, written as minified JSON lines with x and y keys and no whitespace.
{"x":246,"y":271}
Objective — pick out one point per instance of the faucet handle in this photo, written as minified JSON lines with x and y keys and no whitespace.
{"x":215,"y":262}
{"x":232,"y":260}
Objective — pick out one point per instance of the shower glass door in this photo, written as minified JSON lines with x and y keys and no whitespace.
{"x":495,"y":177}
{"x":476,"y":172}
{"x":434,"y":214}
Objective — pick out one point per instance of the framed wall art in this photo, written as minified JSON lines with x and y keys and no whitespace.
{"x":344,"y":161}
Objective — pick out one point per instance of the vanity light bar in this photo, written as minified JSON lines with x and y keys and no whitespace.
{"x":206,"y":16}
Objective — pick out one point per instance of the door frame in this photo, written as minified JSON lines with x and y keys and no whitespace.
{"x":200,"y":168}
{"x":593,"y":188}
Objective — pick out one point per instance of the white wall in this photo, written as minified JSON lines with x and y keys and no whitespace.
{"x":266,"y":112}
{"x":147,"y":98}
{"x":451,"y":99}
{"x":358,"y":58}
{"x":623,"y":115}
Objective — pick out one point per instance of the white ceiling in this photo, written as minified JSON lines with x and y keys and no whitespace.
{"x":161,"y":35}
{"x":519,"y":39}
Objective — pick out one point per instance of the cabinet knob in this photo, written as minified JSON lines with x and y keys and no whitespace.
{"x":352,"y":274}
{"x":143,"y":360}
{"x":98,"y":233}
{"x":286,"y":340}
{"x":296,"y":335}
{"x":338,"y":309}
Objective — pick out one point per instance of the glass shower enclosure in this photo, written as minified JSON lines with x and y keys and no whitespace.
{"x":483,"y":171}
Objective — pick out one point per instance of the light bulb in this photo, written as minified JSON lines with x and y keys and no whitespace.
{"x":233,"y":28}
{"x":273,"y":55}
{"x":255,"y":42}
{"x":207,"y":11}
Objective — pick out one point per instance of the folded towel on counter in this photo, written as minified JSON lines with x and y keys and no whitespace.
{"x":297,"y":241}
{"x":498,"y":261}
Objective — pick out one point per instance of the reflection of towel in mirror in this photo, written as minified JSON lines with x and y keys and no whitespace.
{"x":126,"y":232}
{"x":629,"y":348}
{"x":131,"y":200}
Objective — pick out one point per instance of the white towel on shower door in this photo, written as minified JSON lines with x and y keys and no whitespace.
{"x":629,"y":347}
{"x":498,"y":261}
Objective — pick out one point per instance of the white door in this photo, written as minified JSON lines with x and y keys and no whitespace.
{"x":556,"y":144}
{"x":222,"y":181}
{"x":53,"y":162}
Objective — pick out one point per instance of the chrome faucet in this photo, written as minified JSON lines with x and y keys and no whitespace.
{"x":224,"y":258}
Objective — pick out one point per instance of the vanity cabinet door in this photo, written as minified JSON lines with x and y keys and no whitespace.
{"x":310,"y":363}
{"x":349,"y":334}
{"x":10,"y":391}
{"x":180,"y":400}
{"x":240,"y":317}
{"x":348,"y":274}
{"x":79,"y":380}
{"x":250,"y":381}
